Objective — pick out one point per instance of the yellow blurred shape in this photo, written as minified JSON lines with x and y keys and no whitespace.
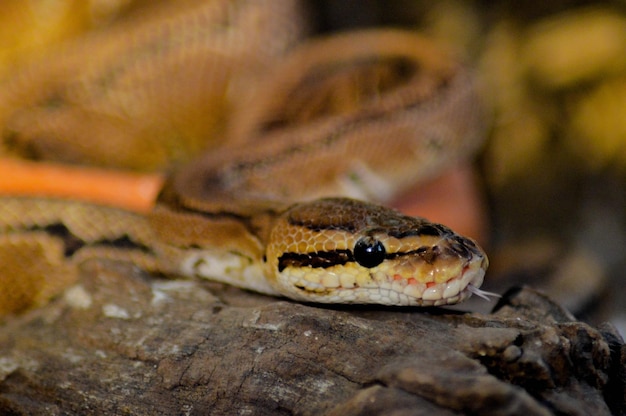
{"x":575,"y":46}
{"x":520,"y":135}
{"x":598,"y":125}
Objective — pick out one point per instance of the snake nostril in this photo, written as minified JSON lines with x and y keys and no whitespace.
{"x":461,"y":250}
{"x":470,"y":246}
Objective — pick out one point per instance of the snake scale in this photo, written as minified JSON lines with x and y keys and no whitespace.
{"x":280,"y":208}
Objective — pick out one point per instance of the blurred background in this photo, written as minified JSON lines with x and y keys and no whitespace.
{"x":553,"y":78}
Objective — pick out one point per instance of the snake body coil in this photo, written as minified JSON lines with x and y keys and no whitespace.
{"x":273,"y":210}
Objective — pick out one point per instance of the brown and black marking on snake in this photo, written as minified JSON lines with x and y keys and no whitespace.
{"x":326,"y":259}
{"x":72,"y":243}
{"x":376,"y":76}
{"x":463,"y":247}
{"x":175,"y":202}
{"x":445,"y":92}
{"x":369,"y":220}
{"x":320,"y":259}
{"x":351,"y":215}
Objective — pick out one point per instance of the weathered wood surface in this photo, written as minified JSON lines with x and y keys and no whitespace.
{"x":124,"y":343}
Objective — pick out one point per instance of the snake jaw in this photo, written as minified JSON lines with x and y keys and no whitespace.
{"x":473,"y":279}
{"x":454,"y":290}
{"x":452,"y":274}
{"x":380,"y":287}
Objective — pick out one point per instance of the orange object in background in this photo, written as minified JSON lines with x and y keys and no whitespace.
{"x":128,"y":190}
{"x":454,"y":199}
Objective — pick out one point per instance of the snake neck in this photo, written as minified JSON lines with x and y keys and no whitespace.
{"x":183,"y":216}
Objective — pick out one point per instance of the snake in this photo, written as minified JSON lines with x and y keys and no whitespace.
{"x":294,"y":204}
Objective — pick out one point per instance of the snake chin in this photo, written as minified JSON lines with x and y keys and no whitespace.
{"x":474,"y":279}
{"x":466,"y":285}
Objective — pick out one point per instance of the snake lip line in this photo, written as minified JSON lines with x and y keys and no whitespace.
{"x":391,"y":291}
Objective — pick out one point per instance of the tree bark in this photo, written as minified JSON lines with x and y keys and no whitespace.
{"x":121,"y":342}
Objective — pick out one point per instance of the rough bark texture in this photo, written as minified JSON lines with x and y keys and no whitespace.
{"x":124,"y":343}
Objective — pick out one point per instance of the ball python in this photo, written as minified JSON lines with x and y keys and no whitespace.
{"x":292,"y":205}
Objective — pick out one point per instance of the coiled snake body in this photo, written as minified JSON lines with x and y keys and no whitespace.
{"x":274,"y":210}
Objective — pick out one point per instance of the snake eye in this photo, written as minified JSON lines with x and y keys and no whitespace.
{"x":369,"y":252}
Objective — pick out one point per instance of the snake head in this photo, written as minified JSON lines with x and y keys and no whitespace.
{"x":340,"y":250}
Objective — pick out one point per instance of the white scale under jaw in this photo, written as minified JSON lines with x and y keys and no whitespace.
{"x":226,"y":267}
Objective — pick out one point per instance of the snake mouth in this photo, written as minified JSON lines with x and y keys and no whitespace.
{"x":454,"y":290}
{"x":395,"y":290}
